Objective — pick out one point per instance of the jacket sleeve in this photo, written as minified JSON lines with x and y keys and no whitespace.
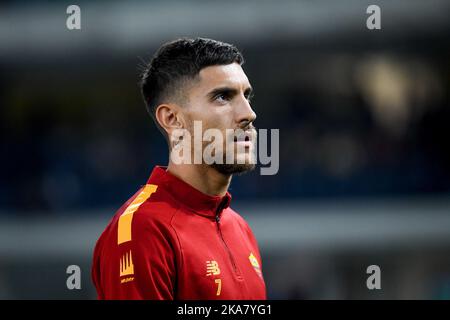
{"x":144,"y":267}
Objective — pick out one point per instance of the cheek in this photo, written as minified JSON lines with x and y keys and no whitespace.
{"x":212,"y":117}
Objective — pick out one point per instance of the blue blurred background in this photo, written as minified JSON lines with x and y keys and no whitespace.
{"x":363,"y":116}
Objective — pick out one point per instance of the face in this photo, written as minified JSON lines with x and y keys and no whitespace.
{"x":220,"y":99}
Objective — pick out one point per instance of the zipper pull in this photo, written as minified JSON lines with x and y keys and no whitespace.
{"x":220,"y":208}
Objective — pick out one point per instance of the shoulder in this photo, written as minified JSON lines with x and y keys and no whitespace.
{"x":147,"y":214}
{"x":239,"y":220}
{"x":142,"y":223}
{"x":157,"y":210}
{"x":239,"y":223}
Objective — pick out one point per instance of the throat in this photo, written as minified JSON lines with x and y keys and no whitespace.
{"x":204,"y":178}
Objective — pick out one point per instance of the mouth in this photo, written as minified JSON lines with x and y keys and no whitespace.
{"x":245,"y":138}
{"x":242,"y":138}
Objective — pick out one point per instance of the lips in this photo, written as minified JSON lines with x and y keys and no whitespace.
{"x":244,"y":136}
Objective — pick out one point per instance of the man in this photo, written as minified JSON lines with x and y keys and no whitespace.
{"x":177,"y":237}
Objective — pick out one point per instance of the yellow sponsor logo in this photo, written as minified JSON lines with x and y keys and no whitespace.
{"x":125,"y":280}
{"x":126,"y":265}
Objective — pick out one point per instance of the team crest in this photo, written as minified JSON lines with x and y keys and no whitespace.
{"x":254,"y":262}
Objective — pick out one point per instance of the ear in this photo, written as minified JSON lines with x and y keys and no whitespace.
{"x":169,"y":117}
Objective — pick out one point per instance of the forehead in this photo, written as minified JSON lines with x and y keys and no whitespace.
{"x":230,"y":75}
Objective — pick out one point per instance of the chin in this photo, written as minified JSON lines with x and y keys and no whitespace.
{"x":228,"y":169}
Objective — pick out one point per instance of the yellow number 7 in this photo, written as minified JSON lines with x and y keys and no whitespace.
{"x":219,"y":286}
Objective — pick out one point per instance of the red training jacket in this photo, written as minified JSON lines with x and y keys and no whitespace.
{"x":171,"y":241}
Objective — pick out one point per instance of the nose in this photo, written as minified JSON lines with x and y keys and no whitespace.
{"x":244,"y":112}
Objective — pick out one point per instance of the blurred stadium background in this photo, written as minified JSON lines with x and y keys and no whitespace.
{"x":364,"y":135}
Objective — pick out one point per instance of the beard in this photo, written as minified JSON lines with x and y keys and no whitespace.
{"x":236,"y":168}
{"x":228,"y":169}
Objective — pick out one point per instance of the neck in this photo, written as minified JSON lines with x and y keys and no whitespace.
{"x":202,"y":177}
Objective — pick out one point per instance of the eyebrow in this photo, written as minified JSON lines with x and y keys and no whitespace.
{"x":228,"y":90}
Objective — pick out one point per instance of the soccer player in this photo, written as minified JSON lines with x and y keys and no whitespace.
{"x":177,"y":237}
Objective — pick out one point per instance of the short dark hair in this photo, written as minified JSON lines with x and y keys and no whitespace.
{"x":178,"y":61}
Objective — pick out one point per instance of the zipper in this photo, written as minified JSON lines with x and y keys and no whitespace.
{"x":233,"y":262}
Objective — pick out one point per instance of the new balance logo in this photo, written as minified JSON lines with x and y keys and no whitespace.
{"x":212,"y":268}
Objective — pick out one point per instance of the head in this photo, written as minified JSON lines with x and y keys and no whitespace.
{"x":202,"y":80}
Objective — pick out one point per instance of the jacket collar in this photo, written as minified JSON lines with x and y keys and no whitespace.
{"x":187,"y":195}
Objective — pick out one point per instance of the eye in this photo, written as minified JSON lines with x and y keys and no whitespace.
{"x":249,"y":96}
{"x":222,"y":97}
